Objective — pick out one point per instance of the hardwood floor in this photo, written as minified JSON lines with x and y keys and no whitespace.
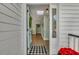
{"x":39,"y":46}
{"x":38,"y":40}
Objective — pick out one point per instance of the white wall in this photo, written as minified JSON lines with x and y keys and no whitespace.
{"x":68,"y":22}
{"x":10,"y":29}
{"x":42,"y":27}
{"x":46,"y":26}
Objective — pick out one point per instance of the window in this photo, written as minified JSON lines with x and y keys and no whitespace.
{"x":54,"y":22}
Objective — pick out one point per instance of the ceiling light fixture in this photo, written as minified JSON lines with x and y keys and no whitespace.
{"x":39,"y":12}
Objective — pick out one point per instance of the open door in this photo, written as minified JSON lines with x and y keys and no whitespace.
{"x":54,"y":40}
{"x":29,"y":31}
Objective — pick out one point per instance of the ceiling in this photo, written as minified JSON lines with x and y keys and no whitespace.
{"x":36,"y":7}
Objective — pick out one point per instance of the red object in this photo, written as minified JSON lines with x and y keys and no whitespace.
{"x":67,"y":51}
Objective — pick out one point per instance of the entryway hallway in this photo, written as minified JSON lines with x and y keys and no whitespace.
{"x":38,"y":29}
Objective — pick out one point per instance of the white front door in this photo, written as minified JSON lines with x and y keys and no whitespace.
{"x":54,"y":40}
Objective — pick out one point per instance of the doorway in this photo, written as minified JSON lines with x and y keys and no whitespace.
{"x":39,"y":29}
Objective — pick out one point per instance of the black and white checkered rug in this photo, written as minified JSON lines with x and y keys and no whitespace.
{"x":38,"y":50}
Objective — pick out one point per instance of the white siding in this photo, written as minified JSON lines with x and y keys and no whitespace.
{"x":10,"y":28}
{"x":68,"y":22}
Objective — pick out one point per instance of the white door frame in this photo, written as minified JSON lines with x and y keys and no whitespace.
{"x":53,"y":42}
{"x":24,"y":30}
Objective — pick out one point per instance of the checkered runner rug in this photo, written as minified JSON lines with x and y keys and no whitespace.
{"x":38,"y":50}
